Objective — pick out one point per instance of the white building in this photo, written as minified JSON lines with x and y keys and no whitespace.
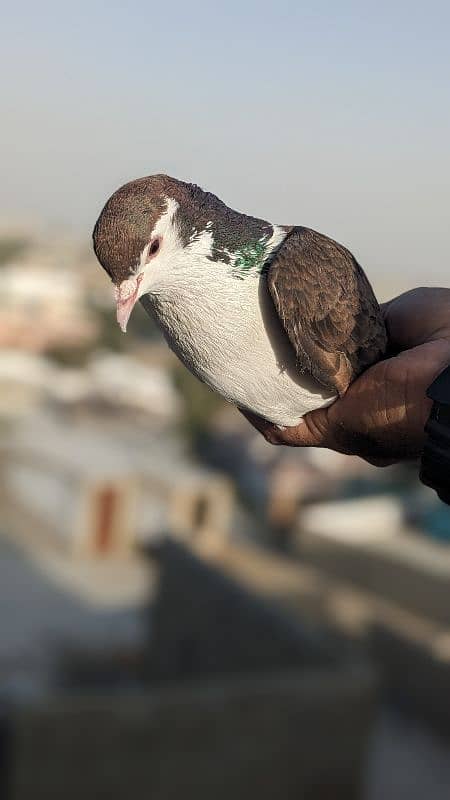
{"x":42,"y":307}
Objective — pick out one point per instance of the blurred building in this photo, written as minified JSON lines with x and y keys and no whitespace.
{"x":108,"y":384}
{"x":24,"y":381}
{"x":43,"y":308}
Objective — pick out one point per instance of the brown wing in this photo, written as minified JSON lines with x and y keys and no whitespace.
{"x":327,"y":308}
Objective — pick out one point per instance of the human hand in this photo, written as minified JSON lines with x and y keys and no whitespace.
{"x":382,"y":415}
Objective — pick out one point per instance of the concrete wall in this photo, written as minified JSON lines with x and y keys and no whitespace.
{"x":394,"y":594}
{"x":239,"y":702}
{"x":260,"y":739}
{"x":416,"y":673}
{"x":203,"y":624}
{"x":407,"y":569}
{"x":411,"y":650}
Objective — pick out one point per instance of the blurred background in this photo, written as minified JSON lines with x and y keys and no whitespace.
{"x":185,"y":609}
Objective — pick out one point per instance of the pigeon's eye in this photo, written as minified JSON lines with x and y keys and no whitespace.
{"x":154,"y":247}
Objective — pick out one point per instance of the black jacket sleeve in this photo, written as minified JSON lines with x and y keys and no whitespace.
{"x":435,"y":464}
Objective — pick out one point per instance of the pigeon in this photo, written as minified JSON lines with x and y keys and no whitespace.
{"x":279,"y":319}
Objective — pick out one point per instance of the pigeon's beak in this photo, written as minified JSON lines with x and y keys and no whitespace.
{"x":127,"y":295}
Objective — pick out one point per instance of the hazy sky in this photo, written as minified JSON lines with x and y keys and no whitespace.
{"x":334,"y":115}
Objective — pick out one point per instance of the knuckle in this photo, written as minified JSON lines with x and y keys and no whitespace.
{"x":317,"y":427}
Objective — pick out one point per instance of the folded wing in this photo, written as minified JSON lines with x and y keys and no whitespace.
{"x":327,"y":308}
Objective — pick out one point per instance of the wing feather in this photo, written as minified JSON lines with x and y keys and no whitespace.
{"x":327,"y":308}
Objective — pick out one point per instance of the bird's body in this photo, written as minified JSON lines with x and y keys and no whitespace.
{"x":226,"y":332}
{"x":210,"y":278}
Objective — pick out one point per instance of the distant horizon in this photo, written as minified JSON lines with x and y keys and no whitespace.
{"x":386,"y":283}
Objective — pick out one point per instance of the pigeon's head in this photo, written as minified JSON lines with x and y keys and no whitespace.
{"x":140,"y":235}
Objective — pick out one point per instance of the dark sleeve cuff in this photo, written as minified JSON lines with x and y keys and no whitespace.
{"x":435,"y":463}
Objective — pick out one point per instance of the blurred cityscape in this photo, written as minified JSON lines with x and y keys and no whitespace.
{"x":225,"y":618}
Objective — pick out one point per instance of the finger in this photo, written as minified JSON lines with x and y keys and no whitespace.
{"x":271,"y":432}
{"x":312,"y":430}
{"x":417,"y":316}
{"x":380,"y":462}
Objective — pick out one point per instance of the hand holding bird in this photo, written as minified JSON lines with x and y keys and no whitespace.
{"x":382,"y":415}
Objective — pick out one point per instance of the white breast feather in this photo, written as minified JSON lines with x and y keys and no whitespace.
{"x":225,"y":330}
